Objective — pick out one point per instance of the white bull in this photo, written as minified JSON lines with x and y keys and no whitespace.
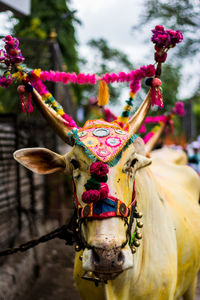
{"x":166,"y":264}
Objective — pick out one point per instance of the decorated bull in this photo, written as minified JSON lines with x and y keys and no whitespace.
{"x":137,"y":226}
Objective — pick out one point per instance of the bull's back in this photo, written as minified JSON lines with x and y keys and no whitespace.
{"x":175,"y":156}
{"x":179,"y":187}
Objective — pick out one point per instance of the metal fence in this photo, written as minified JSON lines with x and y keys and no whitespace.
{"x":24,"y":197}
{"x":22,"y":193}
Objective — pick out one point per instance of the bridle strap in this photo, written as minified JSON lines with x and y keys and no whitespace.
{"x":120,"y":208}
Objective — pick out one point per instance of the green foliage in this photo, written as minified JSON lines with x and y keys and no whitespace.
{"x":47,"y":16}
{"x":171,"y":81}
{"x":178,"y":15}
{"x":175,"y":14}
{"x":196,"y":110}
{"x":110,"y":59}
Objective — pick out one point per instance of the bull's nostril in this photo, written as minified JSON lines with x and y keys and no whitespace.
{"x":96,"y":258}
{"x":120,"y":258}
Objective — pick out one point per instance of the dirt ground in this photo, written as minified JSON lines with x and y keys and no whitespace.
{"x":56,"y":276}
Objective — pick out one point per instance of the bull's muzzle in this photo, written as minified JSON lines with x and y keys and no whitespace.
{"x":107,"y":263}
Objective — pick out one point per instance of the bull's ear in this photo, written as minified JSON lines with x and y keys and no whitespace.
{"x":40,"y":160}
{"x":142,"y":161}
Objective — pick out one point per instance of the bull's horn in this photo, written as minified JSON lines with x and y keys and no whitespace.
{"x":55,"y":121}
{"x":139,"y":116}
{"x":153,"y":141}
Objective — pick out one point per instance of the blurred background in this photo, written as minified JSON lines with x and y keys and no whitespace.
{"x":88,"y":37}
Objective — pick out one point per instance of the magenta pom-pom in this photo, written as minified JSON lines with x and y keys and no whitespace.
{"x":91,"y":196}
{"x":156,"y":82}
{"x":99,"y":168}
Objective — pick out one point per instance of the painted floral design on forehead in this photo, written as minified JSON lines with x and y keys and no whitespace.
{"x":103,"y":141}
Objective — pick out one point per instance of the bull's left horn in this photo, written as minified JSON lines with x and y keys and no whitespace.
{"x":139,"y":116}
{"x":55,"y":121}
{"x":154,"y":139}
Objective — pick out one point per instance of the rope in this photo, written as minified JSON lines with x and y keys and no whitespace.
{"x":62,"y":232}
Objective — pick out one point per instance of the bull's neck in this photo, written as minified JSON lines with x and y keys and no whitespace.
{"x":154,"y":219}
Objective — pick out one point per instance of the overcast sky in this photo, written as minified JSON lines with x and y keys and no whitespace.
{"x":113,"y":21}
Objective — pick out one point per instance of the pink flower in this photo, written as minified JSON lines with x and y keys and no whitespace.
{"x":70,"y":121}
{"x":179,"y":109}
{"x":6,"y":80}
{"x":99,"y":168}
{"x":90,"y":196}
{"x":166,"y":38}
{"x":148,"y":136}
{"x":149,"y":70}
{"x":135,"y":86}
{"x":109,"y":116}
{"x":142,"y":129}
{"x":159,"y":28}
{"x":160,"y":58}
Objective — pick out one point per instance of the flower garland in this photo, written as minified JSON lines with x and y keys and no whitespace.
{"x":11,"y":57}
{"x":134,"y":75}
{"x":48,"y":98}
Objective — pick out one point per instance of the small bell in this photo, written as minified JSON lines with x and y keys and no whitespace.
{"x":77,"y":248}
{"x":136,"y":243}
{"x":140,"y":224}
{"x":138,"y":235}
{"x":133,"y":249}
{"x":139,"y":215}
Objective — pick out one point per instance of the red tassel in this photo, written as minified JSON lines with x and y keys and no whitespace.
{"x":22,"y":101}
{"x":29,"y":106}
{"x":156,"y":96}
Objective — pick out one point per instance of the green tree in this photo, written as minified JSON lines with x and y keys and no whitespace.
{"x":47,"y":16}
{"x":175,"y":14}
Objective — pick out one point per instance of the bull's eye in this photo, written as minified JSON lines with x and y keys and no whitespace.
{"x":133,"y":163}
{"x":75,"y":164}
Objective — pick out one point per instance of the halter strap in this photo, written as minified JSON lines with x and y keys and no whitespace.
{"x":108,"y":207}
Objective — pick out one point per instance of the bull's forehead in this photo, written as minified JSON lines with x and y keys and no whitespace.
{"x":103,"y":141}
{"x":79,"y":154}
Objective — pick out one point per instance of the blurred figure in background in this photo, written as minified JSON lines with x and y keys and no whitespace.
{"x":194,"y":155}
